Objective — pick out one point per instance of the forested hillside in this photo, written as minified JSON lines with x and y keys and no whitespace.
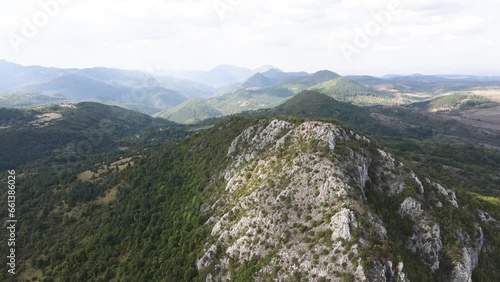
{"x":81,"y":129}
{"x":154,"y":216}
{"x":451,"y":151}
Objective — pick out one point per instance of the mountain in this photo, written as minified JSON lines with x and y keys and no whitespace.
{"x":137,"y":90}
{"x":312,"y":200}
{"x":76,"y":88}
{"x":418,"y":87}
{"x":273,"y":87}
{"x":416,"y":77}
{"x":452,"y":102}
{"x":241,"y":100}
{"x":472,"y":78}
{"x":265,"y":68}
{"x":442,"y":78}
{"x":21,"y":100}
{"x":319,"y":77}
{"x":344,"y":89}
{"x":310,"y":104}
{"x":163,"y":98}
{"x":269,"y":94}
{"x":258,"y":81}
{"x":301,"y":184}
{"x":191,"y":111}
{"x":80,"y":129}
{"x":14,"y":75}
{"x":118,"y":77}
{"x":268,"y":89}
{"x":301,"y":83}
{"x":188,"y":88}
{"x":445,"y":147}
{"x":253,"y":200}
{"x":222,"y":76}
{"x":365,"y":79}
{"x":271,"y":77}
{"x":404,"y":122}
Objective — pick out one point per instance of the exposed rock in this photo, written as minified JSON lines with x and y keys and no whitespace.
{"x":470,"y":256}
{"x":387,"y":272}
{"x":426,"y":242}
{"x":410,"y":207}
{"x":207,"y":258}
{"x":219,"y":225}
{"x":486,"y":217}
{"x":420,"y":187}
{"x":447,"y":193}
{"x":257,"y":139}
{"x":297,"y":196}
{"x":342,"y":224}
{"x":388,"y":157}
{"x":401,"y":274}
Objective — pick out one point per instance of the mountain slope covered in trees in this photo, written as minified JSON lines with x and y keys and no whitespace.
{"x":254,"y":199}
{"x":83,"y":128}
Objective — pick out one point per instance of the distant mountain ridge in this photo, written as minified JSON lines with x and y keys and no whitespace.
{"x":271,"y":77}
{"x":35,"y":85}
{"x":72,"y":128}
{"x":226,"y":89}
{"x":222,"y":76}
{"x":273,"y":87}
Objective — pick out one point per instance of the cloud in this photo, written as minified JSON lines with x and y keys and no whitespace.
{"x":296,"y":35}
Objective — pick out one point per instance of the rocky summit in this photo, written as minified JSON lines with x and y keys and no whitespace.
{"x":242,"y":199}
{"x":314,"y":201}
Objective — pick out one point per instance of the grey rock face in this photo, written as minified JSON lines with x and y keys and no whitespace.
{"x":426,"y":242}
{"x":410,"y":207}
{"x":470,"y":256}
{"x":296,"y":195}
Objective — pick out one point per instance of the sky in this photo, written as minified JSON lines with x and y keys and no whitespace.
{"x":373,"y":37}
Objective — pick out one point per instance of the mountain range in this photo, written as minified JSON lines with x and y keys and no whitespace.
{"x":148,"y":93}
{"x":314,"y":189}
{"x":223,"y":90}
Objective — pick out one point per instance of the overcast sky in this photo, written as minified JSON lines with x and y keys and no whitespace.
{"x":346,"y":36}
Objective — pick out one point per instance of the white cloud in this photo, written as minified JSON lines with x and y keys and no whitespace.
{"x":295,"y":35}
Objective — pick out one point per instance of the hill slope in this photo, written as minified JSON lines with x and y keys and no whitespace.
{"x":452,"y":102}
{"x":252,"y":200}
{"x":346,"y":90}
{"x":75,"y":88}
{"x":269,"y":89}
{"x":383,"y":120}
{"x":191,"y":111}
{"x":23,"y":86}
{"x":80,"y":129}
{"x":459,"y":154}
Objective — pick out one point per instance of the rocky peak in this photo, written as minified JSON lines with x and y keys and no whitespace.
{"x":315,"y":200}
